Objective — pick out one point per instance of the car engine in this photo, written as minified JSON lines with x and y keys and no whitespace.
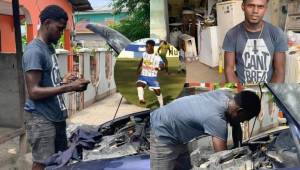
{"x":127,"y":139}
{"x":272,"y":151}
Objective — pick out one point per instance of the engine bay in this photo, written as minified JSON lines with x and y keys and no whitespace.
{"x":270,"y":151}
{"x":131,"y":135}
{"x":130,"y":138}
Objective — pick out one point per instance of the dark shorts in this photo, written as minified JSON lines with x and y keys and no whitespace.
{"x":44,"y":136}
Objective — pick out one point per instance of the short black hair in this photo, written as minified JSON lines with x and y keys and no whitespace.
{"x":150,"y":42}
{"x":249,"y":102}
{"x":246,"y":1}
{"x":53,"y":12}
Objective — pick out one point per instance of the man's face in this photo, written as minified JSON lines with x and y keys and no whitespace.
{"x":238,"y":115}
{"x":55,"y":29}
{"x":254,"y":10}
{"x":149,"y":49}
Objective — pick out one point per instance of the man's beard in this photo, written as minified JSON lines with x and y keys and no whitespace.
{"x":52,"y":41}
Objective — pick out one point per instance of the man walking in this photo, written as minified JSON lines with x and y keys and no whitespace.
{"x":255,"y":48}
{"x":163,"y":50}
{"x":45,"y":108}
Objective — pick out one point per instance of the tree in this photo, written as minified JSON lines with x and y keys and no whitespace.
{"x":137,"y":25}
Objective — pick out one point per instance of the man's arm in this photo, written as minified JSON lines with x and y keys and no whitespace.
{"x":279,"y":67}
{"x":229,"y":67}
{"x":219,"y":144}
{"x":36,"y":92}
{"x":69,"y":77}
{"x":158,"y":49}
{"x":237,"y":135}
{"x":138,"y":71}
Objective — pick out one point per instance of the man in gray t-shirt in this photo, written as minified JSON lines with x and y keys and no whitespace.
{"x":255,"y":48}
{"x":45,"y":108}
{"x":184,"y":119}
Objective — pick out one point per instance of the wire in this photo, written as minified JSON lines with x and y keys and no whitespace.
{"x":261,"y":94}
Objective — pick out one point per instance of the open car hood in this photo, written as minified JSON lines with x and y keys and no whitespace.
{"x":114,"y":39}
{"x":287,"y":98}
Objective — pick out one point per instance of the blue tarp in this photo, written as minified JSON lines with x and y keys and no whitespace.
{"x":80,"y":138}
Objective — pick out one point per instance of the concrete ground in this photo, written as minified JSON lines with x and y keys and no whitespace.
{"x":197,"y":72}
{"x":104,"y":111}
{"x":95,"y":114}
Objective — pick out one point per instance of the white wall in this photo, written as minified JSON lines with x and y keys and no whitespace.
{"x":159,"y":19}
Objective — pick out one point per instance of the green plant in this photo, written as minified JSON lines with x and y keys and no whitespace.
{"x":61,"y":41}
{"x":137,"y":25}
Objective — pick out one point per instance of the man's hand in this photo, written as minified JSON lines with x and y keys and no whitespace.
{"x":78,"y":85}
{"x":38,"y":92}
{"x":139,"y":68}
{"x":219,"y":144}
{"x":161,"y":66}
{"x":138,"y":72}
{"x":69,"y":77}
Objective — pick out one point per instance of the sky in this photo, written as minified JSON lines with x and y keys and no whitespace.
{"x":97,"y":3}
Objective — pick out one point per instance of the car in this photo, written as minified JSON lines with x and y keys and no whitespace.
{"x":125,"y":140}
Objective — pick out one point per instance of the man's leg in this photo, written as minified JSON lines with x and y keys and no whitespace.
{"x":162,"y":156}
{"x":165,"y":60}
{"x":41,"y":137}
{"x":159,"y":97}
{"x":140,"y":90}
{"x":183,"y":161}
{"x":167,"y":65}
{"x":61,"y":142}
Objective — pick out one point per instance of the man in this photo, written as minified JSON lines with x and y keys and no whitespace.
{"x":255,"y":47}
{"x":175,"y":124}
{"x":45,"y":108}
{"x":147,"y":70}
{"x":162,"y":51}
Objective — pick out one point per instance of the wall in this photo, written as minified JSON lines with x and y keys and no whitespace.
{"x":159,"y":19}
{"x":33,"y":8}
{"x":275,"y":14}
{"x":107,"y":63}
{"x":90,"y":40}
{"x":10,"y":112}
{"x":7,"y":34}
{"x":106,"y":84}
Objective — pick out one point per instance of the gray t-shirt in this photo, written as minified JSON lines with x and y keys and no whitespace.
{"x":254,"y":56}
{"x":39,"y":56}
{"x":192,"y":116}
